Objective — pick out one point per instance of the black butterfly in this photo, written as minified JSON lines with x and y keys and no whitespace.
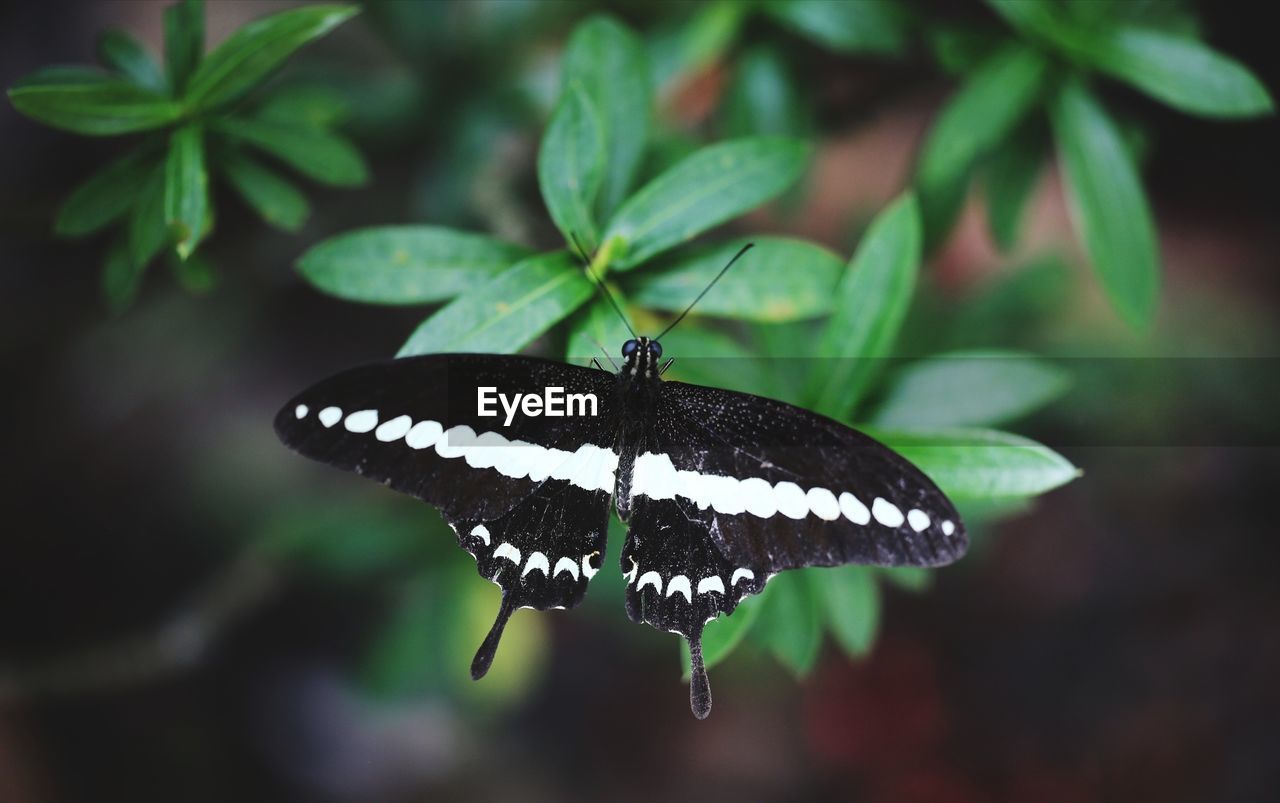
{"x":721,"y":490}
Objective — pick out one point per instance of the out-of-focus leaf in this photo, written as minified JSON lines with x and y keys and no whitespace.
{"x":274,"y":199}
{"x":405,"y":264}
{"x":119,"y":51}
{"x":722,"y":635}
{"x":93,"y":103}
{"x":597,"y":326}
{"x":706,"y":357}
{"x":870,"y":305}
{"x":910,"y":578}
{"x":1181,"y":72}
{"x":306,"y":104}
{"x":147,"y":230}
{"x":791,"y":623}
{"x":120,"y":278}
{"x":1107,"y":203}
{"x":708,"y":34}
{"x":972,"y":388}
{"x":1010,"y":175}
{"x":571,"y":166}
{"x":865,"y":26}
{"x":959,"y":50}
{"x":183,"y":41}
{"x":713,"y":185}
{"x":315,"y":153}
{"x":186,"y":188}
{"x":507,"y":312}
{"x":522,"y":655}
{"x":196,"y":274}
{"x":406,"y":655}
{"x":982,"y":464}
{"x":105,"y":197}
{"x":319,"y":537}
{"x":254,"y":51}
{"x":780,"y":279}
{"x":762,"y":100}
{"x":851,"y":597}
{"x":996,"y":96}
{"x":610,"y":63}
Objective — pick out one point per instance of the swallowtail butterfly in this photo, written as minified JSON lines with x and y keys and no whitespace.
{"x":720,"y":490}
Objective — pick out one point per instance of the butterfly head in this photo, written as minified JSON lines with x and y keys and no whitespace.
{"x":641,"y":357}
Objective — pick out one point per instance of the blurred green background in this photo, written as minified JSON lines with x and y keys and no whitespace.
{"x":1054,"y":219}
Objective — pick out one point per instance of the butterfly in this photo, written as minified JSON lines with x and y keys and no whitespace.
{"x":719,"y":490}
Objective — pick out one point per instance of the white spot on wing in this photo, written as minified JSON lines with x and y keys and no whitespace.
{"x":792,"y":502}
{"x":454,"y":441}
{"x":823,"y":504}
{"x":330,"y":416}
{"x":886,"y":513}
{"x":853,"y":509}
{"x":757,"y":497}
{"x":918,"y":519}
{"x":588,"y":571}
{"x":482,"y":532}
{"x":741,"y":574}
{"x":680,"y":584}
{"x":423,"y":434}
{"x":948,"y":527}
{"x":537,"y":561}
{"x":650,"y":578}
{"x":505,"y":550}
{"x":361,"y":421}
{"x":300,"y":411}
{"x":631,"y":575}
{"x":566,"y":565}
{"x":708,"y":584}
{"x":393,"y":430}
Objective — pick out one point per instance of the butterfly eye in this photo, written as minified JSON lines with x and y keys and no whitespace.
{"x":629,"y":348}
{"x":655,"y":348}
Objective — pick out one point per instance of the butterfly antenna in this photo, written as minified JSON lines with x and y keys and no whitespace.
{"x":722,"y":272}
{"x":604,"y":291}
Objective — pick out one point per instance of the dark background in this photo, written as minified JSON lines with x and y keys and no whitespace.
{"x":1118,"y":641}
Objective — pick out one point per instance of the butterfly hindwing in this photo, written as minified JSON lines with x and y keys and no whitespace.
{"x":528,"y":497}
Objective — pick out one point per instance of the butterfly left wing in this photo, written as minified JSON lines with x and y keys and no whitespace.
{"x":528,"y":498}
{"x":728,"y":489}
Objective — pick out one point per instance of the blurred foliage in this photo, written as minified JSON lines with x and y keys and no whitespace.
{"x":199,"y":116}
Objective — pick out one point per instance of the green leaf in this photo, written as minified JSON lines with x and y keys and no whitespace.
{"x":721,"y":636}
{"x":908,"y":578}
{"x":508,"y":312}
{"x":762,"y":100}
{"x":713,"y":185}
{"x":183,"y":40}
{"x":105,"y":197}
{"x":196,"y":274}
{"x":781,"y":279}
{"x":711,"y":358}
{"x":1107,"y":203}
{"x":570,"y":166}
{"x":866,"y":26}
{"x":851,"y":597}
{"x":996,"y":96}
{"x":611,"y":65}
{"x":405,"y":264}
{"x":982,"y":464}
{"x":597,"y":323}
{"x":91,"y":103}
{"x":304,"y":104}
{"x":1010,"y":175}
{"x":870,"y":305}
{"x":253,"y":52}
{"x":147,"y":230}
{"x":186,"y":188}
{"x":274,"y":199}
{"x":119,"y":51}
{"x":320,"y":155}
{"x":970,"y":388}
{"x":1181,"y":72}
{"x":120,"y":278}
{"x":405,"y":656}
{"x":791,"y":623}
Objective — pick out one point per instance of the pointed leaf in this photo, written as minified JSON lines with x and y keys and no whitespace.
{"x":91,"y":103}
{"x":791,"y":623}
{"x":865,"y":26}
{"x":275,"y":200}
{"x":183,"y":40}
{"x":970,"y":388}
{"x":851,"y":597}
{"x":1010,"y":176}
{"x":982,"y":464}
{"x":610,"y":63}
{"x":508,"y":312}
{"x":253,"y":52}
{"x":317,"y":154}
{"x":763,"y":99}
{"x":147,"y":231}
{"x":780,"y":279}
{"x":597,"y":326}
{"x":120,"y":278}
{"x":1107,"y":203}
{"x":106,"y":197}
{"x":313,"y":105}
{"x":713,"y":185}
{"x":570,"y":166}
{"x":405,"y":264}
{"x":870,"y":305}
{"x":119,"y":51}
{"x":186,"y":189}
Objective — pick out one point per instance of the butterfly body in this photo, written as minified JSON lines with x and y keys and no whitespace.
{"x":720,"y":490}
